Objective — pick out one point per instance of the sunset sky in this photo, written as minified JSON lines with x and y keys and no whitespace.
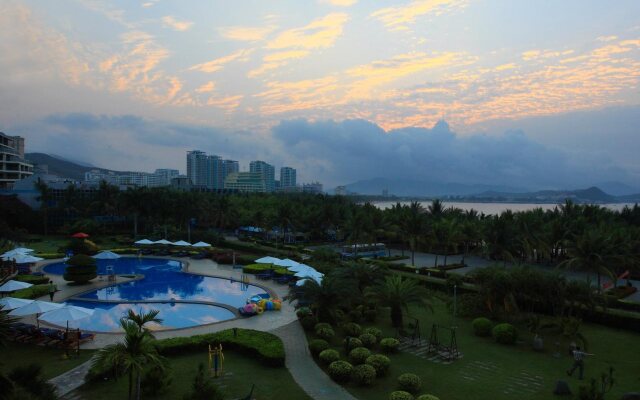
{"x":134,"y":84}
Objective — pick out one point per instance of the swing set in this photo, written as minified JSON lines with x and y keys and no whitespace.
{"x":448,"y":351}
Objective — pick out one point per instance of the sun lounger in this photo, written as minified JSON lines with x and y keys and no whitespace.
{"x":265,"y":276}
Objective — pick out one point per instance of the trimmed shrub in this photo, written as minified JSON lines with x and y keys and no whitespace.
{"x":409,"y":383}
{"x":156,"y":381}
{"x":401,"y":395}
{"x":80,"y":269}
{"x":375,"y":332}
{"x":389,"y":345}
{"x":322,"y":325}
{"x":359,"y":355}
{"x":328,"y":356}
{"x":340,"y":371}
{"x":370,"y":315}
{"x":303,"y":312}
{"x":355,"y":315}
{"x":352,"y":329}
{"x":353,"y":343}
{"x":505,"y":333}
{"x":32,"y":292}
{"x":32,"y":279}
{"x":257,"y":268}
{"x":325,"y":333}
{"x":482,"y":326}
{"x":368,"y":340}
{"x":364,"y":374}
{"x":316,"y":346}
{"x":308,"y":322}
{"x":427,"y":397}
{"x":380,"y":363}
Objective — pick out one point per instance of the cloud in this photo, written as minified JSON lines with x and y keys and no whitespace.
{"x":176,"y":25}
{"x":228,"y":103}
{"x":277,"y":60}
{"x":207,"y":87}
{"x":339,"y":3}
{"x":245,"y":33}
{"x":320,"y":33}
{"x":399,"y":18}
{"x":219,"y":63}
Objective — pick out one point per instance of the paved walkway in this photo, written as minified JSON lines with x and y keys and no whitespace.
{"x":70,"y":380}
{"x":304,"y":370}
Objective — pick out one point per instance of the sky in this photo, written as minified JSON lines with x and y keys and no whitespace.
{"x":537,"y":94}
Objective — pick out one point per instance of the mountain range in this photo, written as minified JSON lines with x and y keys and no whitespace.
{"x":63,"y":167}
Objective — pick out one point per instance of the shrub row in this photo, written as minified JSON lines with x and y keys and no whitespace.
{"x":32,"y":292}
{"x":32,"y":279}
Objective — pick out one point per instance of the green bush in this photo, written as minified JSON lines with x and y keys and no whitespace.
{"x":368,"y":340}
{"x":370,"y":315}
{"x":316,"y":346}
{"x":328,"y":356}
{"x":80,"y":268}
{"x":32,"y":292}
{"x":352,"y":329}
{"x":265,"y":347}
{"x":375,"y":332}
{"x":325,"y":333}
{"x":355,"y":315}
{"x":257,"y":268}
{"x":409,"y":383}
{"x":505,"y":333}
{"x":322,"y":325}
{"x":203,"y":387}
{"x":32,"y":279}
{"x":303,"y":312}
{"x":470,"y":305}
{"x":427,"y":397}
{"x":80,"y":246}
{"x":359,"y":355}
{"x":389,"y":345}
{"x":155,"y":381}
{"x":364,"y":374}
{"x":340,"y":371}
{"x":482,"y":326}
{"x":309,"y":322}
{"x":353,"y":343}
{"x":401,"y":395}
{"x":380,"y":363}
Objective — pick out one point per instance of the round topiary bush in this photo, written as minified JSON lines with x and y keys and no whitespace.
{"x":303,"y":312}
{"x":505,"y":333}
{"x":401,"y":395}
{"x":325,"y":333}
{"x":322,"y":325}
{"x":352,"y":329}
{"x":370,"y":315}
{"x":328,"y":356}
{"x":316,"y":346}
{"x":340,"y":371}
{"x":368,"y":340}
{"x":482,"y":326}
{"x":355,"y":315}
{"x":389,"y":345}
{"x":380,"y":363}
{"x":308,"y":322}
{"x":427,"y":397}
{"x":80,"y":268}
{"x":375,"y":332}
{"x":353,"y":343}
{"x":364,"y":374}
{"x":409,"y":383}
{"x":359,"y":355}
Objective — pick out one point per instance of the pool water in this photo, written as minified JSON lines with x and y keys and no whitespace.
{"x":173,"y":315}
{"x":163,"y":282}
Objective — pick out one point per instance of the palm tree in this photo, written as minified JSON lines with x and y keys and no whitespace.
{"x":399,"y":293}
{"x":143,"y":318}
{"x":325,"y":298}
{"x":413,"y":225}
{"x":364,"y":275}
{"x":5,"y":326}
{"x":135,"y":353}
{"x":436,"y":208}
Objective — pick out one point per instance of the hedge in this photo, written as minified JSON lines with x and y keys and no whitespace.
{"x":32,"y":292}
{"x":262,"y":268}
{"x":409,"y":383}
{"x":263,"y":346}
{"x":32,"y":279}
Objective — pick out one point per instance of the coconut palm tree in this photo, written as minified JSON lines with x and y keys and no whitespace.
{"x":413,"y":225}
{"x":325,"y":298}
{"x":5,"y":323}
{"x":399,"y":293}
{"x":135,"y":353}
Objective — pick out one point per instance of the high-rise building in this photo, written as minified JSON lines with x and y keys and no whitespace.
{"x":287,"y":177}
{"x":163,"y":176}
{"x":13,"y":166}
{"x":341,"y":190}
{"x":267,"y":171}
{"x":313,"y":187}
{"x":197,"y":168}
{"x":208,"y":171}
{"x":246,"y":182}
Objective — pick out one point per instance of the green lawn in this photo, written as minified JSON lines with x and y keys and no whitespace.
{"x":488,"y":369}
{"x":51,"y":359}
{"x":271,"y":383}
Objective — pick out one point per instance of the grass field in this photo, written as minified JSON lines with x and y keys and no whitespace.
{"x":51,"y":359}
{"x":270,"y":383}
{"x":492,"y":371}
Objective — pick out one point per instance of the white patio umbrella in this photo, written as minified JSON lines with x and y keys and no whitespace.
{"x":181,"y":243}
{"x":66,"y":315}
{"x":286,"y":263}
{"x":16,"y":251}
{"x":201,"y":244}
{"x":301,"y":282}
{"x":26,"y":259}
{"x":299,"y":267}
{"x":268,"y":260}
{"x":144,"y":242}
{"x":35,"y":307}
{"x":162,"y":241}
{"x":12,"y":286}
{"x":309,"y":273}
{"x":106,"y":255}
{"x":11,"y":303}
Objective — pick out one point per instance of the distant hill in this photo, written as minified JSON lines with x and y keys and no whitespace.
{"x":618,"y":188}
{"x":589,"y":195}
{"x":61,"y":167}
{"x":406,"y":187}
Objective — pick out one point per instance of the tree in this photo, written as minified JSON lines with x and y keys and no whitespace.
{"x":399,"y":293}
{"x":134,"y":354}
{"x":413,"y":226}
{"x":5,"y":326}
{"x":81,"y":269}
{"x":325,"y":298}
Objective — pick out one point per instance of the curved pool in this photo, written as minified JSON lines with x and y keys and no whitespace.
{"x":163,"y":283}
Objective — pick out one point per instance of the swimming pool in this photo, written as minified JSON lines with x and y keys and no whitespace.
{"x":163,"y":282}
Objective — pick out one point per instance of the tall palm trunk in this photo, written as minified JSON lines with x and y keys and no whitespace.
{"x":130,"y":384}
{"x":396,"y":316}
{"x":138,"y":385}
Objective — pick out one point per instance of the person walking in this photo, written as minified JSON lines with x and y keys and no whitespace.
{"x":578,"y":362}
{"x":52,"y":290}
